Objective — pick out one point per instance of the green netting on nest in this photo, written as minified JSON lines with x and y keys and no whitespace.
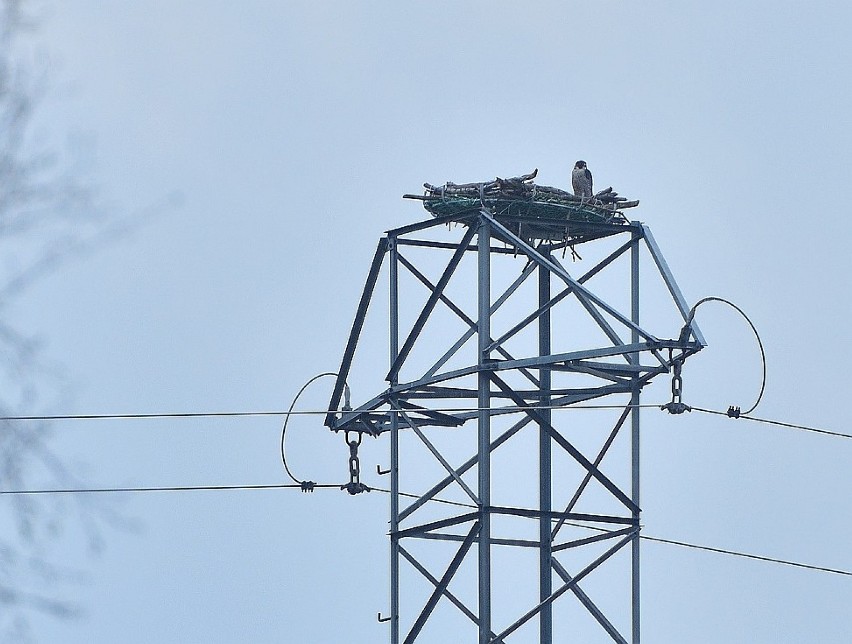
{"x":538,"y":207}
{"x":520,"y":197}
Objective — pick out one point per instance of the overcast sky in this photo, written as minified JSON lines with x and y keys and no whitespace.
{"x":289,"y":131}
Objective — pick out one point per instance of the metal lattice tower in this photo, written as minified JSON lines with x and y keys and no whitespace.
{"x":442,"y":386}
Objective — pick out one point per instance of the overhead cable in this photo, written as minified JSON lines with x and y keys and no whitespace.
{"x":434,"y":499}
{"x":323,"y":412}
{"x":279,"y":486}
{"x":292,"y":412}
{"x":175,"y":488}
{"x":733,"y":553}
{"x":723,"y":551}
{"x":779,"y":423}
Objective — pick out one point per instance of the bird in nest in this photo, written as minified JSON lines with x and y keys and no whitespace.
{"x":581,"y":180}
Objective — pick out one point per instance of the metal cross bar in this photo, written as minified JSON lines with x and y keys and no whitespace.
{"x":528,"y":394}
{"x":576,"y":543}
{"x":578,"y":355}
{"x":429,"y":223}
{"x":441,"y":392}
{"x":349,"y":416}
{"x":560,"y":296}
{"x":593,"y":369}
{"x":534,"y":255}
{"x":588,"y":477}
{"x":429,"y":306}
{"x":593,"y":470}
{"x":428,"y":284}
{"x":442,"y":585}
{"x":624,"y":370}
{"x":495,"y":541}
{"x":568,"y":447}
{"x":434,"y":415}
{"x":563,"y":401}
{"x":605,"y":326}
{"x":534,"y":363}
{"x":455,"y":309}
{"x":434,"y":581}
{"x":588,"y":603}
{"x":437,"y":525}
{"x":458,"y":479}
{"x":467,"y":335}
{"x":427,"y":496}
{"x":562,"y":590}
{"x":552,"y":514}
{"x":354,"y":334}
{"x":668,"y":278}
{"x":425,"y":243}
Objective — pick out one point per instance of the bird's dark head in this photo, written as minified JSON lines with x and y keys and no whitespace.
{"x":580,"y":165}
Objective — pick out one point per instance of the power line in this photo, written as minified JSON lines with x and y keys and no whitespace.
{"x":156,"y":415}
{"x":291,"y":486}
{"x":733,"y":553}
{"x":435,"y":499}
{"x":323,"y":412}
{"x":211,"y":488}
{"x":175,"y":488}
{"x":779,"y":423}
{"x":310,"y":412}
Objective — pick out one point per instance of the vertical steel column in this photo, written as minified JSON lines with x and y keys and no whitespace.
{"x":545,"y":488}
{"x":634,"y":434}
{"x":394,"y":521}
{"x":484,"y":429}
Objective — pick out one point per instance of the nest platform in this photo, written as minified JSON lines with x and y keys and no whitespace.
{"x":534,"y":212}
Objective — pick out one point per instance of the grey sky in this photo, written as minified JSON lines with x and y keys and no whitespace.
{"x":291,"y":129}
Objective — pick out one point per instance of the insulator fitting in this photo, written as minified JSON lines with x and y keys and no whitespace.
{"x":676,"y":407}
{"x":354,"y":486}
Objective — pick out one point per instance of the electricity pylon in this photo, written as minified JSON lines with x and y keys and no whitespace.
{"x":521,"y":360}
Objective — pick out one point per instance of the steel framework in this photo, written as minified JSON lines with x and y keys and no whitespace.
{"x":512,"y":393}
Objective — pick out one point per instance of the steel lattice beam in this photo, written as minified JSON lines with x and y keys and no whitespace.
{"x":615,"y":369}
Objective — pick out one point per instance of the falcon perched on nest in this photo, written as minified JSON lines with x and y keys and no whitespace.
{"x":581,"y":180}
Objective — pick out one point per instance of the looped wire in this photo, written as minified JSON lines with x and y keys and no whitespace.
{"x":687,"y":330}
{"x":305,"y":485}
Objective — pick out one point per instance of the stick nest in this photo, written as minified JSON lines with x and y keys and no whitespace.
{"x":519,"y":196}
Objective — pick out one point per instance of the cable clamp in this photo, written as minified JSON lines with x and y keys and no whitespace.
{"x":355,"y":488}
{"x":308,"y":486}
{"x":675,"y":407}
{"x":733,"y":412}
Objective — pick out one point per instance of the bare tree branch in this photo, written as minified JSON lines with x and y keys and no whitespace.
{"x":48,"y":216}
